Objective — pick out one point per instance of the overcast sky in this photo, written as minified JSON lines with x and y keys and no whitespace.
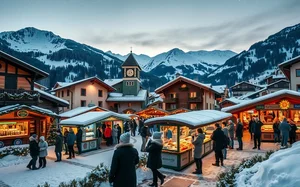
{"x":154,"y":26}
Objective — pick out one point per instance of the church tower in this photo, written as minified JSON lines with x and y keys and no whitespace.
{"x":131,"y":76}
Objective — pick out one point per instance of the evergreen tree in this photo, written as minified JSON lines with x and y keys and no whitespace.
{"x":52,"y":133}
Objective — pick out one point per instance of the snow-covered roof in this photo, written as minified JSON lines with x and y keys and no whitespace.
{"x":113,"y":82}
{"x":192,"y":119}
{"x":39,"y":85}
{"x":79,"y":110}
{"x":252,"y":93}
{"x":65,"y":85}
{"x":282,"y":80}
{"x":155,"y":100}
{"x":289,"y":62}
{"x":233,"y":100}
{"x":219,"y":88}
{"x":256,"y":85}
{"x":10,"y":108}
{"x":179,"y":78}
{"x":91,"y":117}
{"x":262,"y":98}
{"x":119,"y":97}
{"x":48,"y":95}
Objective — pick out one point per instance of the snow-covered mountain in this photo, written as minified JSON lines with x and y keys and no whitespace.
{"x":212,"y":57}
{"x":260,"y":60}
{"x":142,"y":59}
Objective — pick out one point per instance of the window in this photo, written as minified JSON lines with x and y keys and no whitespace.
{"x":100,"y":103}
{"x":193,"y":106}
{"x":206,"y":105}
{"x":69,"y":104}
{"x":83,"y":92}
{"x":173,"y":95}
{"x":129,"y":104}
{"x":100,"y":93}
{"x":193,"y":94}
{"x":172,"y":106}
{"x":297,"y":72}
{"x":83,"y":103}
{"x":58,"y":94}
{"x":209,"y":95}
{"x":68,"y":92}
{"x":62,"y":93}
{"x":129,"y":83}
{"x":298,"y":88}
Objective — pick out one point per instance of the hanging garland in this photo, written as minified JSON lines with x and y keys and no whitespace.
{"x":20,"y":96}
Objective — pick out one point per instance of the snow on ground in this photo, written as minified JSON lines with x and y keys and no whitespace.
{"x":11,"y":160}
{"x":281,"y":169}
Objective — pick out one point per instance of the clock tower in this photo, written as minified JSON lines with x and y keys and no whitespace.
{"x":131,"y":76}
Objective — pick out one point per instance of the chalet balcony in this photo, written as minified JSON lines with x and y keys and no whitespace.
{"x":10,"y":97}
{"x":170,"y":100}
{"x":195,"y":99}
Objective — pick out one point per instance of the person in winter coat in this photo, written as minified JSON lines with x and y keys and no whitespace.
{"x":71,"y":141}
{"x":141,"y":125}
{"x":250,"y":127}
{"x":293,"y":132}
{"x":226,"y":133}
{"x":58,"y":145}
{"x":43,"y":145}
{"x":145,"y":135}
{"x":219,"y":143}
{"x":256,"y":130}
{"x":99,"y":136}
{"x":231,"y":133}
{"x":123,"y":167}
{"x":284,"y":128}
{"x":126,"y":126}
{"x":79,"y":139}
{"x":119,"y":132}
{"x":198,"y":151}
{"x":34,"y":152}
{"x":66,"y":132}
{"x":276,"y":132}
{"x":115,"y":134}
{"x":154,"y":161}
{"x":239,"y":134}
{"x":107,"y":134}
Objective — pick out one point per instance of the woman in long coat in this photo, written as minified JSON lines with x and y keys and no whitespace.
{"x":154,"y":162}
{"x":43,"y":145}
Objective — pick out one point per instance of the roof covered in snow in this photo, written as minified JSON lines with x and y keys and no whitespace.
{"x":265,"y":98}
{"x":219,"y":88}
{"x":53,"y":98}
{"x":80,"y":110}
{"x":248,"y":95}
{"x":92,"y":79}
{"x":233,"y":100}
{"x":192,"y":119}
{"x":245,"y":82}
{"x":182,"y":78}
{"x":92,"y":117}
{"x":113,"y":82}
{"x":11,"y":108}
{"x":119,"y":97}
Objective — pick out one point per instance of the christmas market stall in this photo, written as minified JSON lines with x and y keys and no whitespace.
{"x":80,"y":110}
{"x":89,"y":122}
{"x":152,"y":112}
{"x":179,"y":110}
{"x":269,"y":109}
{"x":19,"y":122}
{"x":179,"y":131}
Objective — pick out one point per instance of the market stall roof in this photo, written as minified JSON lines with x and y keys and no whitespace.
{"x":153,"y":111}
{"x":92,"y":117}
{"x":80,"y":110}
{"x":179,"y":110}
{"x":249,"y":104}
{"x":120,"y":97}
{"x":191,"y":119}
{"x":129,"y":115}
{"x":11,"y":108}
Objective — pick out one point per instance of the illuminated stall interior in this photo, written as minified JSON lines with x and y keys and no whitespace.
{"x":269,"y":109}
{"x":178,"y":132}
{"x":19,"y":122}
{"x":152,"y":112}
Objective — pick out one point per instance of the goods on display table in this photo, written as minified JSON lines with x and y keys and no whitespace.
{"x":178,"y":132}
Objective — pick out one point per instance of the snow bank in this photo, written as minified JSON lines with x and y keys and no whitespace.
{"x":281,"y":169}
{"x":11,"y":160}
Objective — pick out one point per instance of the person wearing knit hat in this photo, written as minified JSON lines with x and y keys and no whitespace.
{"x":154,"y":161}
{"x":124,"y":161}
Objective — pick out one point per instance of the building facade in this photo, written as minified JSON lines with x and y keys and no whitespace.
{"x":244,"y":88}
{"x":291,"y":70}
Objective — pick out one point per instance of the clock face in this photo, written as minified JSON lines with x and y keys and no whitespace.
{"x":129,"y":73}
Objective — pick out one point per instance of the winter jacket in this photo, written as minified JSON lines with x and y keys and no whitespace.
{"x":219,"y":139}
{"x":256,"y":127}
{"x":123,"y":166}
{"x":115,"y":132}
{"x":276,"y":128}
{"x":71,"y":138}
{"x":293,"y":130}
{"x":154,"y":147}
{"x":250,"y":126}
{"x":119,"y":131}
{"x":107,"y":132}
{"x":43,"y":145}
{"x":225,"y":130}
{"x":79,"y":136}
{"x":144,"y":132}
{"x":284,"y":128}
{"x":198,"y":145}
{"x":59,"y":143}
{"x":33,"y":147}
{"x":231,"y":129}
{"x":239,"y":130}
{"x":65,"y":136}
{"x":98,"y":133}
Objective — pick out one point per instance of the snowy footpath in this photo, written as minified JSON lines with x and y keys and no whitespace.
{"x":13,"y":171}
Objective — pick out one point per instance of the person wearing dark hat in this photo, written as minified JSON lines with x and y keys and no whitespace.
{"x":219,"y":144}
{"x":123,"y":167}
{"x":58,"y":145}
{"x":154,"y":162}
{"x":34,"y":151}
